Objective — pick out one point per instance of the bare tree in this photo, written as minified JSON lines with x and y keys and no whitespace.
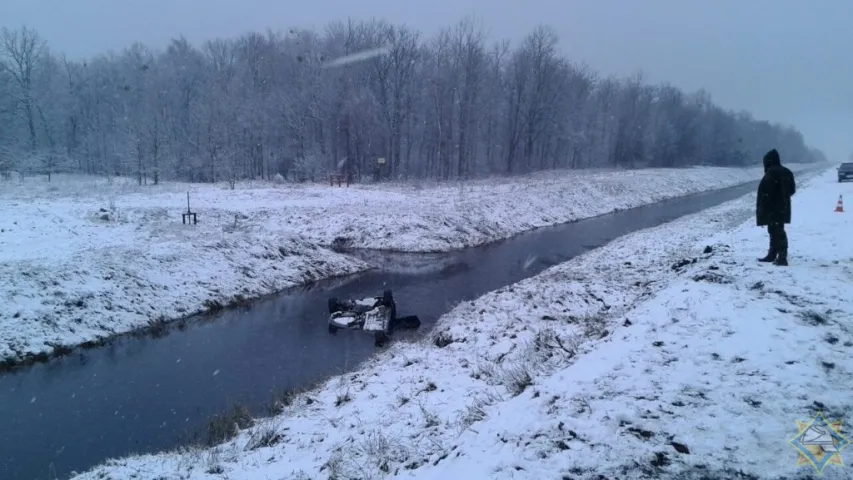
{"x":21,"y":52}
{"x":394,"y":76}
{"x":468,"y":52}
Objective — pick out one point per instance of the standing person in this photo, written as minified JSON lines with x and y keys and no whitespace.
{"x":773,"y":206}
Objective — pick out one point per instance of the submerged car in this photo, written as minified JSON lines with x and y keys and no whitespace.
{"x":375,"y":315}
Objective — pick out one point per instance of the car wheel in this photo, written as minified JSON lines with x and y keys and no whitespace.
{"x":388,"y":301}
{"x":334,"y":306}
{"x":380,"y":338}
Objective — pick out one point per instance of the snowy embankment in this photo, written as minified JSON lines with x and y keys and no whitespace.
{"x":668,"y":353}
{"x":84,"y":259}
{"x":450,"y":217}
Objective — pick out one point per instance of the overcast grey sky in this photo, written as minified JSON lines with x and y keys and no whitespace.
{"x":784,"y":60}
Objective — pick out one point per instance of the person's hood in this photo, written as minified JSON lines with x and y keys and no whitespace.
{"x":771,"y":159}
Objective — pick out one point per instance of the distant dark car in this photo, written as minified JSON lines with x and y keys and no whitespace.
{"x":845,"y":172}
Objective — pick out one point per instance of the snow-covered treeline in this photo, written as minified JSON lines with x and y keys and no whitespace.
{"x":450,"y":106}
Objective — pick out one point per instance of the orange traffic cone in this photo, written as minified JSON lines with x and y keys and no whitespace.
{"x":839,"y":207}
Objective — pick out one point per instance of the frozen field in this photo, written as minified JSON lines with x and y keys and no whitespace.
{"x":82,"y":259}
{"x":669,"y":353}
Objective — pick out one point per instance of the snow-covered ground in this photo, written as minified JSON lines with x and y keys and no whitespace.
{"x":84,"y":259}
{"x":668,"y":353}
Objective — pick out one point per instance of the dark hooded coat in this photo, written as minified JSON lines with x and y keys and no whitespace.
{"x":774,"y":192}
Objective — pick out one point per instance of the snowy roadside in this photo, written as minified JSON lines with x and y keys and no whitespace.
{"x":605,"y":365}
{"x":707,"y":378}
{"x":82,"y":260}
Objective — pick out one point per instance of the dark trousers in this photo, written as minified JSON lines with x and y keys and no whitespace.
{"x":778,"y":237}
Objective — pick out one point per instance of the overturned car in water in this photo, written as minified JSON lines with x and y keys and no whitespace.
{"x":374,"y":315}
